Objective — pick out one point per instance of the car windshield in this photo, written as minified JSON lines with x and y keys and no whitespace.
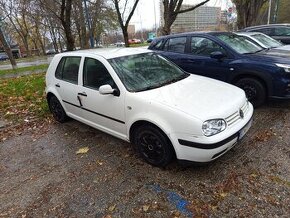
{"x":240,"y":44}
{"x":267,"y":41}
{"x":146,"y":71}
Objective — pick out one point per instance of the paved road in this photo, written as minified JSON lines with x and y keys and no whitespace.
{"x":42,"y":176}
{"x":28,"y":63}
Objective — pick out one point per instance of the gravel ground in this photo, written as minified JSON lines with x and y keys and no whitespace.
{"x":41,"y":175}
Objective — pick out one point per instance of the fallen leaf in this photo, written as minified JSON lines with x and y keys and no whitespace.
{"x":83,"y":150}
{"x":99,"y":162}
{"x":145,"y":208}
{"x":111,"y":208}
{"x":223,"y":194}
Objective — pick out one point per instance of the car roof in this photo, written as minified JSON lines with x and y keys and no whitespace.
{"x":268,"y":25}
{"x":194,"y":33}
{"x":108,"y":53}
{"x":248,"y":33}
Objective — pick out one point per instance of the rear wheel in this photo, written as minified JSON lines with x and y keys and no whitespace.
{"x":57,"y":109}
{"x":154,"y":147}
{"x":254,"y":89}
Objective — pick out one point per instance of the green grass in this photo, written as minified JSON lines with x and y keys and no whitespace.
{"x":25,"y":69}
{"x":26,"y":59}
{"x":23,"y":98}
{"x":140,"y":45}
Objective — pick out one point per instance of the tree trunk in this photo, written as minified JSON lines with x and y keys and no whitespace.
{"x":126,"y":36}
{"x":66,"y":8}
{"x":7,"y":50}
{"x":84,"y":41}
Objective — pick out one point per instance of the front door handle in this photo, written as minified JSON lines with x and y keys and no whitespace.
{"x":57,"y":85}
{"x":83,"y":94}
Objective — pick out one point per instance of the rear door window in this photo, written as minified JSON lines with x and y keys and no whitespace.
{"x":68,"y":69}
{"x":176,"y":44}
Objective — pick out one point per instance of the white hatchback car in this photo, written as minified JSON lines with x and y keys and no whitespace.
{"x":140,"y":97}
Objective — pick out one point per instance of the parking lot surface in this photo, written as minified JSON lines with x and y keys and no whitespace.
{"x":72,"y":170}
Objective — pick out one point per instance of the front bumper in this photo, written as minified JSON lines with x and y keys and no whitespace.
{"x":187,"y":150}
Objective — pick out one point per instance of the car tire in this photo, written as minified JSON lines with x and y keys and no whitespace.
{"x":153,"y":145}
{"x":254,"y":89}
{"x":57,"y":110}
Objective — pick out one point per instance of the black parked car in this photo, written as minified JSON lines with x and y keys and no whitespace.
{"x":230,"y":58}
{"x":280,"y":32}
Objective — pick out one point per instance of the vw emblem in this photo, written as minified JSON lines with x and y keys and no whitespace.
{"x":241,"y":114}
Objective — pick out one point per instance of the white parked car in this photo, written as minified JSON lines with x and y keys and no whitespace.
{"x":264,"y":41}
{"x":138,"y":96}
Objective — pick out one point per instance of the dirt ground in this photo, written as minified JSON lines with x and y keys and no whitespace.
{"x":41,"y":175}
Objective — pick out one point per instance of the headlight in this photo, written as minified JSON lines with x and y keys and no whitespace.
{"x":286,"y":67}
{"x":212,"y":127}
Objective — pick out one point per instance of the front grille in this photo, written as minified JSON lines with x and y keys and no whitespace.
{"x":235,"y":117}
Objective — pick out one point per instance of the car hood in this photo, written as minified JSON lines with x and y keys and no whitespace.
{"x":270,"y":56}
{"x":284,"y":48}
{"x":199,"y":97}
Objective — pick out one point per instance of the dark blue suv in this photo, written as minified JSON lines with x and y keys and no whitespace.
{"x":231,"y":58}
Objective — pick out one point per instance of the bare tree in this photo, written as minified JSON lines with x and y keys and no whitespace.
{"x":7,"y":49}
{"x":248,"y":11}
{"x":62,"y":11}
{"x":17,"y":13}
{"x":171,"y":9}
{"x":124,"y":23}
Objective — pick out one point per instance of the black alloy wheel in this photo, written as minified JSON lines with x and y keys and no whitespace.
{"x":254,"y":89}
{"x":57,"y":109}
{"x":154,"y":147}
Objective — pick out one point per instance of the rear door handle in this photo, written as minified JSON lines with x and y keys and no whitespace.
{"x":57,"y":85}
{"x":83,"y":94}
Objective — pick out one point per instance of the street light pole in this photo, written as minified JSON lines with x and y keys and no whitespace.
{"x":269,"y":11}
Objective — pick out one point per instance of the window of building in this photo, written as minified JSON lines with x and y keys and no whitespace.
{"x":96,"y":74}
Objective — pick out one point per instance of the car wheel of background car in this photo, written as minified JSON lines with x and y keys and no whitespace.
{"x":254,"y":89}
{"x":57,"y":109}
{"x":154,"y":147}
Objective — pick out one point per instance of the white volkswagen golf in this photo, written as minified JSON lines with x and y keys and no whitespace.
{"x":140,"y":97}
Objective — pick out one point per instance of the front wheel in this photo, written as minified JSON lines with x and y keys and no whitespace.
{"x":153,"y":146}
{"x":254,"y":89}
{"x":57,"y":109}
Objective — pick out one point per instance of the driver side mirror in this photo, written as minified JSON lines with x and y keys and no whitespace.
{"x":217,"y":55}
{"x":107,"y":90}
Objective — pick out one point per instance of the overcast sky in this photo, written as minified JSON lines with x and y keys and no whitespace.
{"x":145,"y":16}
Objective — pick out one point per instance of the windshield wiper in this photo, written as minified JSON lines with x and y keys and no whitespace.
{"x":254,"y":52}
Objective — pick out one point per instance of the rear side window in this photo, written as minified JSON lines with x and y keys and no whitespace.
{"x":158,"y":45}
{"x":68,"y":69}
{"x":176,"y":44}
{"x":267,"y":31}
